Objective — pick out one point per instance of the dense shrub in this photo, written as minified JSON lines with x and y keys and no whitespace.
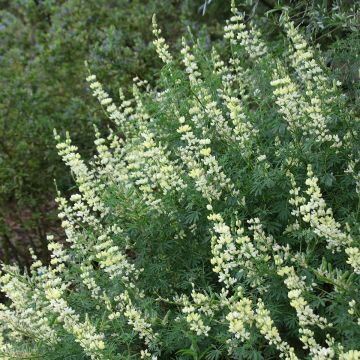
{"x":218,"y":218}
{"x":44,"y":45}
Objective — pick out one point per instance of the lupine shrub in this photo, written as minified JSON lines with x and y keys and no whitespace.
{"x":217,"y":219}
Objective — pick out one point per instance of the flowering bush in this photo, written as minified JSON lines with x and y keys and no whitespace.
{"x":42,"y":85}
{"x":218,"y":218}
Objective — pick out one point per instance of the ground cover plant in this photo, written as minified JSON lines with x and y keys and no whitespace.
{"x":217,"y":219}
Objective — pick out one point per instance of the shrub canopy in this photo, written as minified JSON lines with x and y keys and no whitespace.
{"x":217,"y":219}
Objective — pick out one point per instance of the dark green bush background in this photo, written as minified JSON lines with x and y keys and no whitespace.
{"x":43,"y":46}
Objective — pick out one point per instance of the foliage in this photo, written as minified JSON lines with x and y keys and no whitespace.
{"x":327,"y":18}
{"x":218,"y":217}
